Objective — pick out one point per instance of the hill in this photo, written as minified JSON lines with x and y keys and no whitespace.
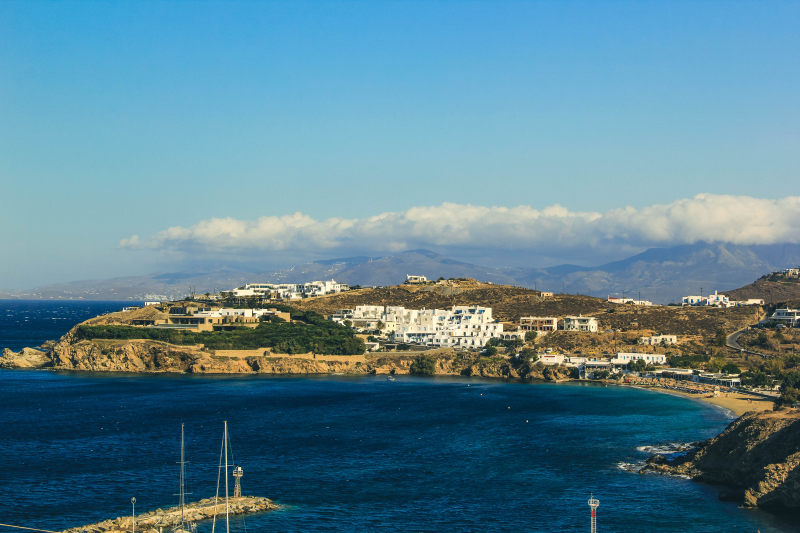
{"x":659,"y":274}
{"x":772,"y":288}
{"x":509,"y":303}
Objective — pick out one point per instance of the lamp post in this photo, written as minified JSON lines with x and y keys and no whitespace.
{"x":133,"y":515}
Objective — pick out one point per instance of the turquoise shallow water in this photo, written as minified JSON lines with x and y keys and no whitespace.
{"x":356,"y":454}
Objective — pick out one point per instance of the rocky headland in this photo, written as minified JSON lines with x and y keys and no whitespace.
{"x":756,"y":460}
{"x":149,"y":356}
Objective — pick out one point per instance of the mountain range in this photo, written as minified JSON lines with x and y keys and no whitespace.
{"x":659,"y":274}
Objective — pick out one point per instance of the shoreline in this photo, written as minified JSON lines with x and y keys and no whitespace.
{"x":736,"y":403}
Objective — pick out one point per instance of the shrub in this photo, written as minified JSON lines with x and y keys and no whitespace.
{"x":316,"y":334}
{"x":423,"y":365}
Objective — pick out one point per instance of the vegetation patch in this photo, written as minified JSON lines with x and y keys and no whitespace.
{"x":312,"y":334}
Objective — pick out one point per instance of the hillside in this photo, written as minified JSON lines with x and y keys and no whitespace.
{"x":773,"y":290}
{"x":508,"y":303}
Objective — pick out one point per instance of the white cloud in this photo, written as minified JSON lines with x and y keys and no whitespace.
{"x":705,"y":217}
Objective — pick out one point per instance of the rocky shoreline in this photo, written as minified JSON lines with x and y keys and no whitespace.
{"x":148,"y":356}
{"x":756,"y":460}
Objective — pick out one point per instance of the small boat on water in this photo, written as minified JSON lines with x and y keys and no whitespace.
{"x":390,"y":378}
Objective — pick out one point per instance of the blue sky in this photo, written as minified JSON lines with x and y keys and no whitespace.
{"x":128,"y":118}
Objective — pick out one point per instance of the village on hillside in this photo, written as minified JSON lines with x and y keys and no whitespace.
{"x":706,"y":342}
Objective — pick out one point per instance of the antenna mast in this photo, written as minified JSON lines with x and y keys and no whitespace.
{"x":594,"y":503}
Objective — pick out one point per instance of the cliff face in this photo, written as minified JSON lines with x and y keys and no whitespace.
{"x":69,"y":353}
{"x":757,"y":457}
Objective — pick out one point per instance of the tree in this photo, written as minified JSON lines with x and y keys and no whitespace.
{"x":490,"y":350}
{"x":530,"y":336}
{"x":761,"y":339}
{"x":789,"y":397}
{"x":423,"y":365}
{"x":637,"y":365}
{"x":731,"y":368}
{"x":720,"y":339}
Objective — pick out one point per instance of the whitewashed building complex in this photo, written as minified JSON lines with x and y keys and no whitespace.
{"x":460,"y":326}
{"x":289,"y":291}
{"x":718,"y":300}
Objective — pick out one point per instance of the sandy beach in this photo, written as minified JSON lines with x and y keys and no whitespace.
{"x":735,"y":401}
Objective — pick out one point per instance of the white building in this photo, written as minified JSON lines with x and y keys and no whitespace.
{"x":462,"y":326}
{"x":289,"y":291}
{"x":718,"y":300}
{"x":615,"y":300}
{"x":791,"y":272}
{"x":580,"y":323}
{"x":552,"y":359}
{"x":416,"y":279}
{"x":623,"y":358}
{"x":790,"y":317}
{"x":749,"y":301}
{"x":655,"y":340}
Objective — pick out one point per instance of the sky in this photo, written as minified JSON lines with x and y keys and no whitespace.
{"x":160,"y":136}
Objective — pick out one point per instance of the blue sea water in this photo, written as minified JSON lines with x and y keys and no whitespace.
{"x":350,"y":454}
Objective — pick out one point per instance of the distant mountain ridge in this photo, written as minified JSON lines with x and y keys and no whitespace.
{"x":658,"y":274}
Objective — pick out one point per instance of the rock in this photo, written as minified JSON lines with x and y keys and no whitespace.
{"x":756,"y":458}
{"x":25,"y":358}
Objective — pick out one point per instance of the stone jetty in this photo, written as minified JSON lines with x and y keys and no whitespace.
{"x":165,"y":519}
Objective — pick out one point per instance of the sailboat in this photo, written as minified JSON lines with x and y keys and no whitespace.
{"x":185,"y":527}
{"x":223,"y":459}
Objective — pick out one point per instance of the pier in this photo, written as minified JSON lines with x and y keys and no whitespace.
{"x":163,"y":519}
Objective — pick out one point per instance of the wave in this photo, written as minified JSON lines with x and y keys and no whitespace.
{"x":631,"y":467}
{"x":668,"y":448}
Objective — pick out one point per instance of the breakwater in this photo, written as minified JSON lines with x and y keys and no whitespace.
{"x":156,"y":521}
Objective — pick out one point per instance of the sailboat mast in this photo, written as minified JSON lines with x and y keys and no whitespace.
{"x":182,"y":493}
{"x":227,"y":507}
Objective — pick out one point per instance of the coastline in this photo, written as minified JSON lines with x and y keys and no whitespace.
{"x":736,"y":403}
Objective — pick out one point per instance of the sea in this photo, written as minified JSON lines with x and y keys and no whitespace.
{"x":346,"y":453}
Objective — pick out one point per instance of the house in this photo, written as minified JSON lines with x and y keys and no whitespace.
{"x":655,"y":340}
{"x":546,"y":294}
{"x":551,"y":359}
{"x":580,"y":323}
{"x":790,"y":317}
{"x":207,"y":319}
{"x":540,"y":324}
{"x":749,"y":301}
{"x":416,"y":279}
{"x":717,"y":300}
{"x":615,"y":300}
{"x":623,"y":358}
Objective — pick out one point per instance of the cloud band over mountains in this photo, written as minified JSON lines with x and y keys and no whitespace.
{"x":705,"y":217}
